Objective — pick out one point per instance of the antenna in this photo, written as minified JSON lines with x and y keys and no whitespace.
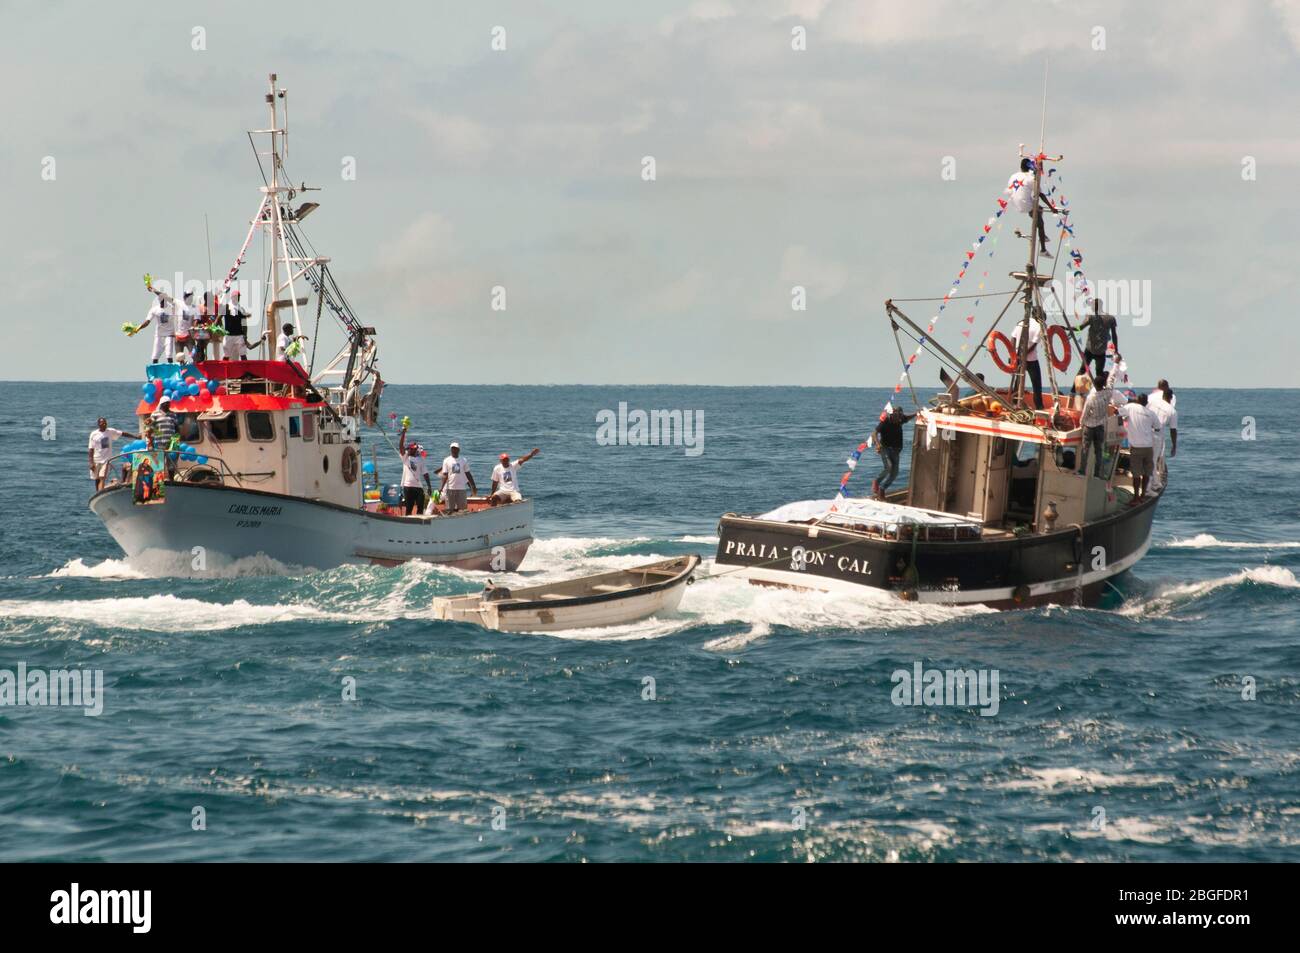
{"x":208,"y":235}
{"x":1042,"y":129}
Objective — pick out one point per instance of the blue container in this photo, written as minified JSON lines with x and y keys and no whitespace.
{"x":392,"y":494}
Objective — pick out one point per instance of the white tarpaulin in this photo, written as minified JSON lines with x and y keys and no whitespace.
{"x":877,"y":512}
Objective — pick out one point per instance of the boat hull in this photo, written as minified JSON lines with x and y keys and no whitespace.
{"x":232,"y":524}
{"x":1065,"y":567}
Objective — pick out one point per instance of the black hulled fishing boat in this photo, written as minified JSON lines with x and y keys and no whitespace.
{"x":995,"y":511}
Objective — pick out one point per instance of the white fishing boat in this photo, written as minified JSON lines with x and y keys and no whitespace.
{"x":271,"y":461}
{"x":607,"y":598}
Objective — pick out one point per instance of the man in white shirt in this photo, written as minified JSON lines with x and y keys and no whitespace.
{"x":100,"y":450}
{"x":505,"y":479}
{"x":413,"y":471}
{"x":164,"y":328}
{"x":186,"y":317}
{"x":1162,"y":406}
{"x":455,"y":478}
{"x":1021,"y":189}
{"x":1032,"y":367}
{"x":1143,"y":429}
{"x":288,"y":345}
{"x":1096,"y":408}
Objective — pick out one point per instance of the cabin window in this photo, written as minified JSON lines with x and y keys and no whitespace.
{"x":309,"y":425}
{"x":225,"y":429}
{"x":295,"y":426}
{"x":260,"y":427}
{"x":188,"y":428}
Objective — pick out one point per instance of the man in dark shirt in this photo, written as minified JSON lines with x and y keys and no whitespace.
{"x":235,"y":346}
{"x":889,"y":444}
{"x":1102,"y":329}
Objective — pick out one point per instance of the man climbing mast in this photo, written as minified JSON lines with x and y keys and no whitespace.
{"x":1033,"y":287}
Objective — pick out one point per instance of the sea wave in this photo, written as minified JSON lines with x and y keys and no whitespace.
{"x":1208,"y":541}
{"x":164,"y":613}
{"x":1169,"y":598}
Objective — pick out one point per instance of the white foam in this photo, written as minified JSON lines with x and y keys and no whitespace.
{"x":1206,"y":541}
{"x":1171,"y":597}
{"x":164,"y":613}
{"x":1051,"y":779}
{"x":108,"y":569}
{"x":161,"y":564}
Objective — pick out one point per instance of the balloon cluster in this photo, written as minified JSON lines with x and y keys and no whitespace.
{"x":177,"y":387}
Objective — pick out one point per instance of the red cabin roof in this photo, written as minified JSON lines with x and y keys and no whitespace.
{"x":279,"y":372}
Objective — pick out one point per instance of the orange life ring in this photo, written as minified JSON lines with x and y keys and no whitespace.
{"x":1055,"y":333}
{"x":995,"y":338}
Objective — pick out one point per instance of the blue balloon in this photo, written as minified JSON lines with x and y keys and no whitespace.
{"x":368,"y":466}
{"x":192,"y":390}
{"x":202,"y":458}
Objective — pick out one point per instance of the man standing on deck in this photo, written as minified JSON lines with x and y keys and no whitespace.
{"x":1093,"y":421}
{"x":288,"y":345}
{"x":889,"y":444}
{"x":1143,"y":429}
{"x":187,"y":316}
{"x":100,"y":450}
{"x":455,"y":478}
{"x":235,"y":346}
{"x":162,"y":424}
{"x":1021,"y":187}
{"x":413,"y":471}
{"x":164,"y":328}
{"x":1102,"y":329}
{"x":1162,"y":405}
{"x":1032,"y":367}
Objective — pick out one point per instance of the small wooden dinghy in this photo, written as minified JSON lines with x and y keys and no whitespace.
{"x":609,"y":598}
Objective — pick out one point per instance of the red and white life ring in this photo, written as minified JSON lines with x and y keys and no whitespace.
{"x":996,"y":338}
{"x":1055,"y":333}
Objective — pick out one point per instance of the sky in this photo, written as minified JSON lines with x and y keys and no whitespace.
{"x":859,"y":168}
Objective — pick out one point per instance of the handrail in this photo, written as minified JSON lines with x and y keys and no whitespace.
{"x":222,"y":467}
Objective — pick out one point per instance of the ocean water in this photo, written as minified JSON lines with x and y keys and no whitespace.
{"x":1121,"y":733}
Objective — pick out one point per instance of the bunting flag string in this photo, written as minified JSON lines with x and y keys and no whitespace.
{"x":991,"y":227}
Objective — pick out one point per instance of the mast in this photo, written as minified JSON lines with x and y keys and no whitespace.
{"x":1033,"y":306}
{"x":275,"y":224}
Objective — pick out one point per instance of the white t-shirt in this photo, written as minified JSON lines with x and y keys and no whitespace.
{"x":161,"y":316}
{"x":413,"y":470}
{"x":1021,"y":187}
{"x":186,"y":315}
{"x":1168,"y":418}
{"x":1141,"y":424}
{"x":1034,"y":333}
{"x":101,"y":442}
{"x":282,"y":345}
{"x":456,"y":470}
{"x":506,"y":477}
{"x":1159,"y":395}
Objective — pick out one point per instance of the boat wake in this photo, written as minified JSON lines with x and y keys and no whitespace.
{"x":1169,"y":599}
{"x":365,"y":595}
{"x":1207,"y":541}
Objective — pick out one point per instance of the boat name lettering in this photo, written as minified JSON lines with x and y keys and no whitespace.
{"x":753,"y":550}
{"x":246,"y":510}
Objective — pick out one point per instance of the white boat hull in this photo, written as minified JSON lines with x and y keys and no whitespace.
{"x":199,"y":526}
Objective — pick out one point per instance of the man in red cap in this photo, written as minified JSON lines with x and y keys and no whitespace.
{"x":505,"y":478}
